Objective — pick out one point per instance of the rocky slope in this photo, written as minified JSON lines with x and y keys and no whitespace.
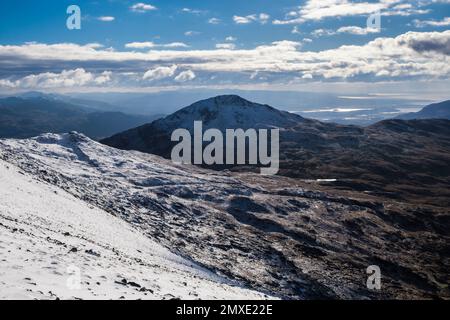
{"x":407,"y":160}
{"x":284,"y":237}
{"x":55,"y":246}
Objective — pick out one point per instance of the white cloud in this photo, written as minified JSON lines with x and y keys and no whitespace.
{"x":426,"y":2}
{"x":357,"y":30}
{"x":191,"y":33}
{"x":253,"y":75}
{"x":192,"y":11}
{"x":149,"y":44}
{"x":244,"y":20}
{"x":227,"y":46}
{"x":402,"y":6}
{"x":262,"y":18}
{"x":322,"y":32}
{"x":160,"y":73}
{"x":214,"y":21}
{"x":405,"y":10}
{"x":434,"y":23}
{"x":142,"y":7}
{"x":423,"y":55}
{"x":296,"y":30}
{"x":184,"y":76}
{"x":140,"y":45}
{"x":95,"y":45}
{"x":66,"y":78}
{"x":230,"y":38}
{"x":321,"y":9}
{"x":103,"y":78}
{"x":106,"y":18}
{"x":174,"y":45}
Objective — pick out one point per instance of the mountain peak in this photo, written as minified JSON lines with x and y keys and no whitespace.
{"x":221,"y":112}
{"x":229,"y":111}
{"x":232,"y":100}
{"x":226,"y":100}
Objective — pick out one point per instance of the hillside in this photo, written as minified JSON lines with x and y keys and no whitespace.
{"x":31,"y":115}
{"x":439,"y":110}
{"x":285,"y":237}
{"x":49,"y":239}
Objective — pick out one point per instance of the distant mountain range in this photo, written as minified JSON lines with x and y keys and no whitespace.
{"x":439,"y":110}
{"x":345,"y":108}
{"x":396,"y":157}
{"x":35,"y":113}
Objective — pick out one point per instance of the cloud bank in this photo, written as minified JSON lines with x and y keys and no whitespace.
{"x":413,"y":55}
{"x":315,"y":10}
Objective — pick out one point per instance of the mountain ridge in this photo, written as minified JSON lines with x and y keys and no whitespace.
{"x":439,"y":110}
{"x":33,"y":114}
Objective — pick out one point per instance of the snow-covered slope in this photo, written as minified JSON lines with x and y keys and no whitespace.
{"x":273,"y":234}
{"x":49,"y":239}
{"x":229,"y":111}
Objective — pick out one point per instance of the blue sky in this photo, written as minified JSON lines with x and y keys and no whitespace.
{"x":165,"y":44}
{"x":44,"y":21}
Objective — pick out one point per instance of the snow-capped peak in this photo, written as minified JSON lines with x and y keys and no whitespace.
{"x":225,"y":100}
{"x":229,"y":112}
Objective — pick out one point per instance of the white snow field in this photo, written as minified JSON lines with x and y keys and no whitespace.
{"x":55,"y":246}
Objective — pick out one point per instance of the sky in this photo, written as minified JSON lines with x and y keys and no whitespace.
{"x":256,"y":44}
